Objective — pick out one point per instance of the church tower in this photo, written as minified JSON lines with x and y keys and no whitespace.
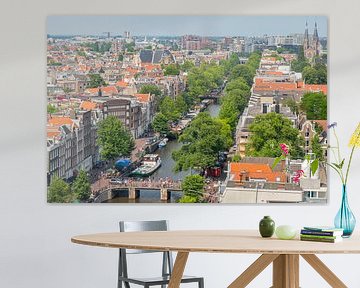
{"x":311,"y":44}
{"x":316,"y":41}
{"x":306,"y":37}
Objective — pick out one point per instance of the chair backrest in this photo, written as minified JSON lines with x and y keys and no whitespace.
{"x":138,"y":226}
{"x":135,"y":226}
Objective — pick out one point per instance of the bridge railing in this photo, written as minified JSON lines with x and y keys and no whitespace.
{"x":148,"y":184}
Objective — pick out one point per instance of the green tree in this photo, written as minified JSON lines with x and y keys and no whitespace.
{"x":51,"y":109}
{"x":180,"y":103}
{"x":81,"y":53}
{"x":59,"y":191}
{"x":121,"y":57}
{"x":114,"y":139}
{"x":315,"y":75}
{"x":160,"y":124}
{"x":193,"y":186}
{"x":171,"y":69}
{"x":169,"y":109}
{"x":187,"y":66}
{"x":300,"y":63}
{"x":243,"y":71}
{"x":152,"y":89}
{"x":314,"y":105}
{"x":81,"y":187}
{"x":236,"y":158}
{"x":238,"y":83}
{"x":268,"y":131}
{"x":96,"y":81}
{"x":129,"y":47}
{"x":293,"y":105}
{"x":203,"y":79}
{"x":230,"y":63}
{"x":203,"y":139}
{"x":316,"y":148}
{"x":232,"y":105}
{"x":188,"y":199}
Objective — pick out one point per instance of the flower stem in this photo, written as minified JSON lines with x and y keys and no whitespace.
{"x":350,"y":159}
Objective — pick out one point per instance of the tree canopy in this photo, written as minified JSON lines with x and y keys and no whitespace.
{"x":152,"y":89}
{"x":193,"y":188}
{"x":238,"y":83}
{"x":114,"y":139}
{"x":96,"y":81}
{"x":51,"y":109}
{"x":160,"y":124}
{"x":203,"y":139}
{"x":268,"y":131}
{"x":81,"y":187}
{"x":169,"y":109}
{"x":59,"y":191}
{"x":232,"y":105}
{"x":203,"y":79}
{"x":315,"y":75}
{"x":172,"y":69}
{"x":244,"y":71}
{"x":314,"y":105}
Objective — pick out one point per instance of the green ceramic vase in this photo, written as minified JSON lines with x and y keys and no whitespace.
{"x":267,"y":227}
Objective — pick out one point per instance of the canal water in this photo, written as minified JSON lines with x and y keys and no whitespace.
{"x":166,"y":170}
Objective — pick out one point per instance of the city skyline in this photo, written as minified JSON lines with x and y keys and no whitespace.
{"x":161,"y":25}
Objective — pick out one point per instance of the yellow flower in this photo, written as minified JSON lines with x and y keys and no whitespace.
{"x":355,"y":138}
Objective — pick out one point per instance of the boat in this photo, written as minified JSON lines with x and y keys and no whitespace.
{"x":121,"y":164}
{"x":149,"y":164}
{"x":163,"y":142}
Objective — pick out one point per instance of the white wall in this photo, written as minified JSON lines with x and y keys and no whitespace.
{"x":35,"y":248}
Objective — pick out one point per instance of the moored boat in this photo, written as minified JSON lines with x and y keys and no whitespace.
{"x":163,"y":142}
{"x":150,"y":163}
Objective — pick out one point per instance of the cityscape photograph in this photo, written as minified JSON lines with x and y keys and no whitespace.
{"x":187,"y":109}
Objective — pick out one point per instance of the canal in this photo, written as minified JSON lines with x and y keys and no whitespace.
{"x":166,"y":170}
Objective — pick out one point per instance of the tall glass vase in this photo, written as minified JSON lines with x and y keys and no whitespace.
{"x":345,"y":219}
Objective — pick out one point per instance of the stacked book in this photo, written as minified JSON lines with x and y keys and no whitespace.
{"x":321,"y":234}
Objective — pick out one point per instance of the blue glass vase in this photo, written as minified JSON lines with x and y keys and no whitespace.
{"x":345,"y":219}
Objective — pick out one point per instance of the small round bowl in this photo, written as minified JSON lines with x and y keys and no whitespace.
{"x":285,"y":232}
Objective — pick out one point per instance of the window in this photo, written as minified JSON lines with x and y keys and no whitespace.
{"x":312,"y":194}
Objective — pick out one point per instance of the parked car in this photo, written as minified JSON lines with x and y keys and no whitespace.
{"x":115,"y":181}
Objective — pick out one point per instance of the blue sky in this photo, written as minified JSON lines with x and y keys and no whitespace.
{"x":181,"y":25}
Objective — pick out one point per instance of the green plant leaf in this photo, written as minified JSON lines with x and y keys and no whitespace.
{"x":342,"y":163}
{"x":314,"y":166}
{"x":277,"y":160}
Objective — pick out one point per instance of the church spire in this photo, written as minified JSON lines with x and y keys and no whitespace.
{"x":316,"y":35}
{"x":306,"y":37}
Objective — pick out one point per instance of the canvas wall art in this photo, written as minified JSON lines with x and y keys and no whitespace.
{"x":187,"y":109}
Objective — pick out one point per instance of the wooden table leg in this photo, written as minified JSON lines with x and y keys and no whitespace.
{"x":324,"y":271}
{"x":253,"y":270}
{"x":178,"y":269}
{"x":286,"y":271}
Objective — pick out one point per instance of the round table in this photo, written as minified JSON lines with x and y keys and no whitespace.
{"x":284,"y":254}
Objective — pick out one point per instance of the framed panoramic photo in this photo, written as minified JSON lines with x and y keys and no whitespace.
{"x":187,"y":109}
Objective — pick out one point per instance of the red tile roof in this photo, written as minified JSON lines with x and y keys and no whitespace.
{"x":256,"y":171}
{"x":87,"y":105}
{"x":60,"y":120}
{"x":122,"y":84}
{"x":322,"y":123}
{"x":143,"y":97}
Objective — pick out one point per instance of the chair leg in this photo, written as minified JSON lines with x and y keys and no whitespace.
{"x":201,"y":283}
